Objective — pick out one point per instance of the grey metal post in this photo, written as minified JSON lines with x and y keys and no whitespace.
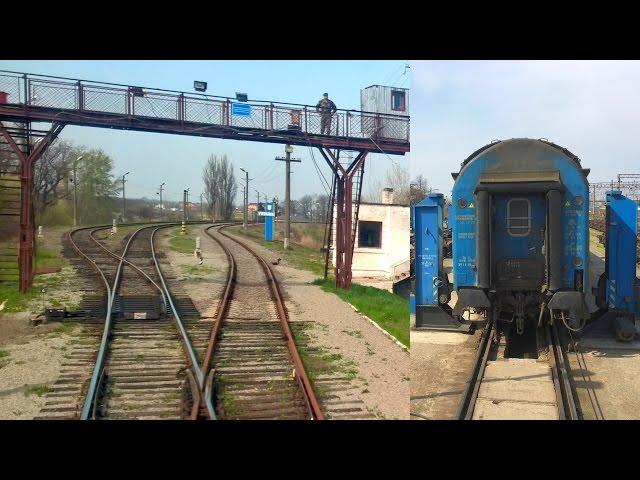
{"x":245,"y":199}
{"x":258,"y":208}
{"x":124,"y":201}
{"x":75,"y":192}
{"x":161,"y":207}
{"x":184,"y":206}
{"x":287,"y":201}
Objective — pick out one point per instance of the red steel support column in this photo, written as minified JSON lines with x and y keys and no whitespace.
{"x":344,"y":218}
{"x":27,"y":225}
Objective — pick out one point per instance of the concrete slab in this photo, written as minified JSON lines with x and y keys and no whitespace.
{"x":440,"y":366}
{"x":516,"y":388}
{"x":606,"y":372}
{"x":505,"y":380}
{"x":607,"y":343}
{"x":494,"y":410}
{"x":438,"y":338}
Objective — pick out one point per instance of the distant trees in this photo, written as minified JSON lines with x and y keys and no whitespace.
{"x":220,"y":186}
{"x":397,"y":177}
{"x":313,"y":208}
{"x":54,"y":184}
{"x":145,"y":211}
{"x":96,"y":187}
{"x":322,"y":207}
{"x":419,"y":189}
{"x":50,"y":170}
{"x":305,"y":205}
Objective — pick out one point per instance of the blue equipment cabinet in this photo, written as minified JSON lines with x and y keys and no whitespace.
{"x":618,"y":287}
{"x":269,"y":217}
{"x":432,"y":289}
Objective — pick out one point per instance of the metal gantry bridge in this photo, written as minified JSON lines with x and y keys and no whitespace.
{"x":627,"y":183}
{"x":27,"y":98}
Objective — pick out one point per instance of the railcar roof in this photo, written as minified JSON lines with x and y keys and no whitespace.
{"x":547,"y":142}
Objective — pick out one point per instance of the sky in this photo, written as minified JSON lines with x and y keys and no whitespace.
{"x":153,"y":158}
{"x":589,"y":107}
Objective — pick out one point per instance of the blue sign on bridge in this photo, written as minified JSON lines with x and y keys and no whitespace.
{"x":241,"y":109}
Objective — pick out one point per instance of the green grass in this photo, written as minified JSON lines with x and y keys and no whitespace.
{"x":320,"y":361}
{"x":389,"y":311}
{"x":46,"y":257}
{"x":4,"y":358}
{"x":197,"y":270}
{"x":36,"y":390}
{"x":181,"y":243}
{"x":228,"y":402}
{"x":66,"y":327}
{"x":299,"y":256}
{"x":16,"y":302}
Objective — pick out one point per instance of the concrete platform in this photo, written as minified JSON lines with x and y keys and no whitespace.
{"x":516,"y":389}
{"x":440,"y":366}
{"x":606,"y":372}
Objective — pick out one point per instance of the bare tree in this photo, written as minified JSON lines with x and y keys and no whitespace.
{"x":373,"y":192}
{"x":419,"y":189}
{"x":306,"y":206}
{"x":322,"y":203}
{"x":50,"y":171}
{"x":397,"y":178}
{"x":220,"y":186}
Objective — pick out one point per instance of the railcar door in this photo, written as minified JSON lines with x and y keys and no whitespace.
{"x":518,"y":232}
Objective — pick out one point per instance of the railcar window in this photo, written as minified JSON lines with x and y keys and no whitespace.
{"x":398,"y":100}
{"x":518,"y":217}
{"x":370,"y":234}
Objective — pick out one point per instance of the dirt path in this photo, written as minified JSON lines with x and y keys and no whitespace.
{"x":30,"y":363}
{"x":204,"y":284}
{"x":375,"y":366}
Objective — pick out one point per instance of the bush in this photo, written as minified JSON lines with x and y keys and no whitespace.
{"x":60,"y":213}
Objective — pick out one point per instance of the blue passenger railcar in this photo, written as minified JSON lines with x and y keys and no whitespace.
{"x":520,"y":225}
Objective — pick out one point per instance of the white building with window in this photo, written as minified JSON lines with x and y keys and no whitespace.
{"x":381,"y":250}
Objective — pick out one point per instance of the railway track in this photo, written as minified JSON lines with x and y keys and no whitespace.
{"x":599,"y":224}
{"x":174,"y":364}
{"x":255,"y":370}
{"x":518,"y":388}
{"x":145,"y":365}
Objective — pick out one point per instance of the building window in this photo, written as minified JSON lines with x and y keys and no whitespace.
{"x":518,"y":217}
{"x":370,"y":234}
{"x":398,"y":100}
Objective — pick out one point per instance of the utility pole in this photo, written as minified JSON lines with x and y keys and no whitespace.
{"x":75,"y":192}
{"x":201,"y":210}
{"x":257,"y":216}
{"x":187,"y":204}
{"x":124,"y":201}
{"x":161,"y":207}
{"x":184,"y":206}
{"x":287,"y":201}
{"x":246,"y":199}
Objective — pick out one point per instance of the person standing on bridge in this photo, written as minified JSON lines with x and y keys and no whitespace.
{"x":326,"y":108}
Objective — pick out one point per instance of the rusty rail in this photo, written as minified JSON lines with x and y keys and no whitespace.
{"x":301,"y":374}
{"x":565,"y":399}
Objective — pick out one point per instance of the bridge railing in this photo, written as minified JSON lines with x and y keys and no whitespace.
{"x":82,"y":95}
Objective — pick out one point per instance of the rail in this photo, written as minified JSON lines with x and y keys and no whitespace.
{"x":565,"y":399}
{"x":194,"y":373}
{"x":300,"y":372}
{"x":96,"y":376}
